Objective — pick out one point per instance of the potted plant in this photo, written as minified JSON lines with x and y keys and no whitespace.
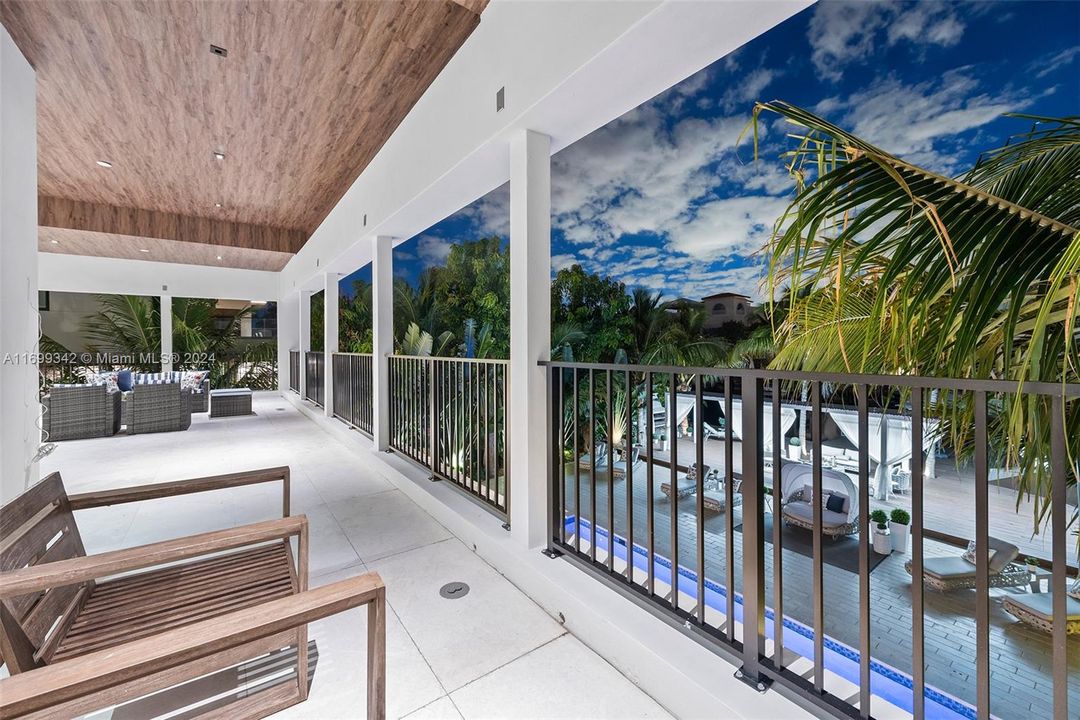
{"x":882,"y":542}
{"x":794,"y":449}
{"x":899,"y":519}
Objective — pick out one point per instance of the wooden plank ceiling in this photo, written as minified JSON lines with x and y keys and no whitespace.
{"x":304,"y":99}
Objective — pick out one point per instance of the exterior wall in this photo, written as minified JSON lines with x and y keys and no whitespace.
{"x":64,"y":319}
{"x":722,"y":310}
{"x":19,"y":409}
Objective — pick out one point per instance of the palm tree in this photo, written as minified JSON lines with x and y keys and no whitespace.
{"x":130,"y":325}
{"x":896,"y":269}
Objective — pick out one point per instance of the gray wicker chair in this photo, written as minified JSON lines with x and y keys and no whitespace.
{"x":81,"y":411}
{"x":165,"y":407}
{"x":1037,"y":609}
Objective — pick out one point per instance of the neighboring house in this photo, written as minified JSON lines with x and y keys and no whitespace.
{"x":726,"y":307}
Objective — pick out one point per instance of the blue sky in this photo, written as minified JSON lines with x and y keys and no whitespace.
{"x":661,"y":198}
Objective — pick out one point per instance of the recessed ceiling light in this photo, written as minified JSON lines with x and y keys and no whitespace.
{"x":217,"y":204}
{"x":104,"y":163}
{"x":143,"y":250}
{"x":219,"y":155}
{"x":218,"y":257}
{"x":55,"y":242}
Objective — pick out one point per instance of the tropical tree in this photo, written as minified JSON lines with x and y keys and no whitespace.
{"x":130,"y":325}
{"x":598,"y":306}
{"x":356,"y":319}
{"x":474,"y":286}
{"x":897,"y":269}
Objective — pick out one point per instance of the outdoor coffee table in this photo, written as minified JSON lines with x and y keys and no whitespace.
{"x":228,"y":402}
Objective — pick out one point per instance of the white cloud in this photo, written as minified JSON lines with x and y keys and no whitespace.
{"x":1049,"y":64}
{"x":845,"y":32}
{"x":911,"y":120}
{"x":727,"y":227}
{"x":562,"y":262}
{"x":433,"y":250}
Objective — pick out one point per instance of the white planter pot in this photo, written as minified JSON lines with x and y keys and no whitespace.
{"x":882,"y":542}
{"x":899,"y":536}
{"x":794,"y":452}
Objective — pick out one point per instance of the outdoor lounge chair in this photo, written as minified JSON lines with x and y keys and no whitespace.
{"x":685,"y":483}
{"x":168,"y":612}
{"x":585,"y":462}
{"x":958,"y":572}
{"x":1037,"y":609}
{"x":711,"y":431}
{"x":619,"y":467}
{"x":797,"y":490}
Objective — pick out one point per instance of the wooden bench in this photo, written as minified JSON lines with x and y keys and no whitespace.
{"x":80,"y":633}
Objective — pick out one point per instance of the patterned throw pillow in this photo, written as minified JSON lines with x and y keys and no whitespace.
{"x":193,"y":380}
{"x":969,"y":554}
{"x":108,"y":379}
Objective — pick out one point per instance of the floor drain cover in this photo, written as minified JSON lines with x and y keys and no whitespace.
{"x":280,"y":409}
{"x":454,"y":590}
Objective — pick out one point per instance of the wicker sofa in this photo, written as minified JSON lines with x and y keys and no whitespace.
{"x":200,"y":394}
{"x":161,"y":407}
{"x":73,"y":412}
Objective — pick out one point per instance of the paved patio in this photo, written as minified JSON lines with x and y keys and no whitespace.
{"x":1021,"y":656}
{"x":493,"y":653}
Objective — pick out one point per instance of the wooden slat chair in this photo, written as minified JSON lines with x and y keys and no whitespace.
{"x":81,"y":632}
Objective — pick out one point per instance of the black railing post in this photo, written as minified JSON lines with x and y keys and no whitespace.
{"x":753,"y":548}
{"x":554,"y":424}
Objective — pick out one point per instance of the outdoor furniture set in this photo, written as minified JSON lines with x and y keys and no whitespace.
{"x":139,"y":402}
{"x":76,"y":638}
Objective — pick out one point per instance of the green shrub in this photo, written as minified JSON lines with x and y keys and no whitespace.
{"x":879,"y":517}
{"x":900,"y":516}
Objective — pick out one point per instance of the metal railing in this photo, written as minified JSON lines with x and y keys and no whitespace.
{"x":313,"y":377}
{"x":684,"y":529}
{"x":449,"y":415}
{"x":294,"y":371}
{"x":353,"y":389}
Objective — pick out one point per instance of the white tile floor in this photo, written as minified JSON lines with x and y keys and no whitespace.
{"x":492,"y":654}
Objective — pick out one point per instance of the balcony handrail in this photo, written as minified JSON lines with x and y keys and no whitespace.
{"x":440,"y":358}
{"x":354,"y":354}
{"x":914,"y":382}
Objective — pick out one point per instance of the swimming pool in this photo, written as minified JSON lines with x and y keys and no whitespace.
{"x":886,"y":682}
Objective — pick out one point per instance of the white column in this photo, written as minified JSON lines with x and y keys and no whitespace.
{"x":288,"y":335}
{"x":20,"y":435}
{"x":305,"y":338}
{"x":382,"y":321}
{"x":330,"y":338}
{"x":166,"y":333}
{"x":530,"y":334}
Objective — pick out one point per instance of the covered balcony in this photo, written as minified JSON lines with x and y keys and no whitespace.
{"x":335,"y":513}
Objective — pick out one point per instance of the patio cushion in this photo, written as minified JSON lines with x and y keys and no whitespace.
{"x":999,"y":552}
{"x":835,"y":502}
{"x":948,"y":568}
{"x":805,"y":511}
{"x":124,"y":380}
{"x":1041,"y":604}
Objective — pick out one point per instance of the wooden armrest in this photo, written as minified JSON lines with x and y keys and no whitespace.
{"x":90,"y":674}
{"x":136,"y":493}
{"x":90,"y":567}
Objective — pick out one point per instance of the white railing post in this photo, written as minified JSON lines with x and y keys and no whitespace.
{"x":382,"y":321}
{"x":165,"y":314}
{"x":530,"y":334}
{"x":330,"y":338}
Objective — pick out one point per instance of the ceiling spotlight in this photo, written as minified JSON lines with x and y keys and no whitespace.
{"x":218,"y":155}
{"x":104,"y":163}
{"x":217,"y":205}
{"x":218,"y":257}
{"x":143,"y":250}
{"x":55,"y":242}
